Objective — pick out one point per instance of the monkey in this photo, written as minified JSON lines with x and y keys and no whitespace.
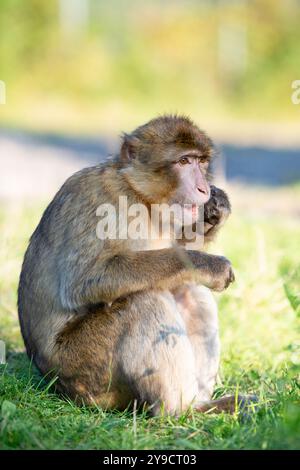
{"x":116,"y":324}
{"x":216,"y":212}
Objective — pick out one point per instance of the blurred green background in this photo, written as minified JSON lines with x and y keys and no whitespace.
{"x":92,"y":65}
{"x":77,"y":73}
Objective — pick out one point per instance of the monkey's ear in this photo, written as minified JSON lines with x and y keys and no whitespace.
{"x":128,"y":148}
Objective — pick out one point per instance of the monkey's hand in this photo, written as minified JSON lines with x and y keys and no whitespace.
{"x":216,"y":210}
{"x":223,"y":273}
{"x":215,"y":272}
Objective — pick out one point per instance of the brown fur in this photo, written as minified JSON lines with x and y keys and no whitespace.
{"x":104,"y":317}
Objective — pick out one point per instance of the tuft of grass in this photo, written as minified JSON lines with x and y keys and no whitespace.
{"x":259,"y":318}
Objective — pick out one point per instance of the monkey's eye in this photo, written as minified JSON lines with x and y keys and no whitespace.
{"x":202,"y":160}
{"x":184,"y":161}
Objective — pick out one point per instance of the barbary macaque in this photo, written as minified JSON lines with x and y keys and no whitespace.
{"x":119,"y":320}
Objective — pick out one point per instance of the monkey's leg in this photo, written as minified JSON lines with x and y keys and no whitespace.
{"x":156,"y":354}
{"x":199,"y":311}
{"x":136,"y":349}
{"x":86,"y":360}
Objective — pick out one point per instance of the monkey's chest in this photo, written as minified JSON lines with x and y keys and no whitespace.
{"x":150,"y":244}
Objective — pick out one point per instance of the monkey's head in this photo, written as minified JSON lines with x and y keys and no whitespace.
{"x":166,"y":160}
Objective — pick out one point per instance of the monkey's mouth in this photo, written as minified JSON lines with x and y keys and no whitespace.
{"x":195,"y":211}
{"x":191,"y":212}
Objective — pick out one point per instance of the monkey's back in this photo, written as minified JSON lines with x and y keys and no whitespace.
{"x":41,"y":313}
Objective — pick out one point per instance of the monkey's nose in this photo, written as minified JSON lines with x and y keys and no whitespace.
{"x":202,"y":190}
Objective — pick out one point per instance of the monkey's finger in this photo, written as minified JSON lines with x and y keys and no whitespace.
{"x":213,"y":190}
{"x":230,"y":278}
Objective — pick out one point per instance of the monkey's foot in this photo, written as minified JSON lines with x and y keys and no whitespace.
{"x":243,"y":404}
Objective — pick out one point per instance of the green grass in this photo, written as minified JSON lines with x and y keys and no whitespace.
{"x":259,"y":318}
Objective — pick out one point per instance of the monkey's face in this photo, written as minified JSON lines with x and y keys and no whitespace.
{"x":193,"y":189}
{"x":166,"y":160}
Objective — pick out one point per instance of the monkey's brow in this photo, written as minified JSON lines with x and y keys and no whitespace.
{"x":192,"y":153}
{"x":195,"y":154}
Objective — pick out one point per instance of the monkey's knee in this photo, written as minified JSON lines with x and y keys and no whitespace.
{"x":159,"y":359}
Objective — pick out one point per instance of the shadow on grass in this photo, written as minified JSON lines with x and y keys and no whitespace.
{"x":19,"y":365}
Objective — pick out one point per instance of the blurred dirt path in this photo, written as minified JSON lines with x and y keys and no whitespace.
{"x":34,"y":166}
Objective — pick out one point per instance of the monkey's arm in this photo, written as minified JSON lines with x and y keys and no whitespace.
{"x":127,"y":273}
{"x":216,"y":212}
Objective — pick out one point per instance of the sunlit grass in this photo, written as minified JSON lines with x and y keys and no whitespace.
{"x":259,"y":317}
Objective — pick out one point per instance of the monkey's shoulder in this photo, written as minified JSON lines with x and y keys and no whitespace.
{"x":74,"y":206}
{"x":86,"y":179}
